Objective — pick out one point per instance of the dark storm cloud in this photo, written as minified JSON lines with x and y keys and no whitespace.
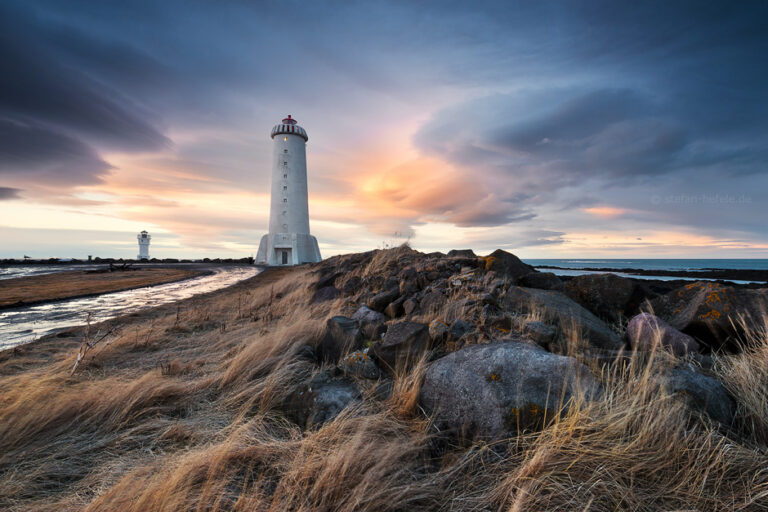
{"x":49,"y":109}
{"x":48,"y":156}
{"x":9,"y":193}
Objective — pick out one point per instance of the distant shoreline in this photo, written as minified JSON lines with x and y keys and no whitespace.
{"x":758,"y":276}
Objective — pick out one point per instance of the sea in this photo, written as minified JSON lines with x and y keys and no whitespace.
{"x":653,"y":264}
{"x":580,"y":266}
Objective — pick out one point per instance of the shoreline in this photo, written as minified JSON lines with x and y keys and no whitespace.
{"x":62,"y":276}
{"x":714,"y":274}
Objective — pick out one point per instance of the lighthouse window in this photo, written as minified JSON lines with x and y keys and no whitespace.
{"x":285,"y":151}
{"x":285,"y":187}
{"x":285,"y":175}
{"x":285,"y":138}
{"x":285,"y":200}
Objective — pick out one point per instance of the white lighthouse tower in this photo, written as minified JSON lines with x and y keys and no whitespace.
{"x":144,"y":239}
{"x":288,"y":241}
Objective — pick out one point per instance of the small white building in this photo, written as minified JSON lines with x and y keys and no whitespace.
{"x":288,"y":241}
{"x":144,"y":239}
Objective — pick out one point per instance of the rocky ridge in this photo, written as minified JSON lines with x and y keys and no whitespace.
{"x":505,"y":347}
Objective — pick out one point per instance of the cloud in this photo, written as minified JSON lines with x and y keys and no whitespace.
{"x":9,"y":193}
{"x":47,"y":156}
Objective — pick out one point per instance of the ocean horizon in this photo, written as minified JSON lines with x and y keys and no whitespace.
{"x":653,"y":263}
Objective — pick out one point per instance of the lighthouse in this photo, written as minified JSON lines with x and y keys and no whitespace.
{"x":288,"y":241}
{"x":144,"y":239}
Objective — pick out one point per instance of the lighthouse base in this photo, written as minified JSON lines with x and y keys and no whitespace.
{"x":282,"y":249}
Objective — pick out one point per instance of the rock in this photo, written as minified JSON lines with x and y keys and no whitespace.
{"x":461,"y":253}
{"x":327,"y":280}
{"x":342,"y":335}
{"x":701,"y":393}
{"x":540,"y":333}
{"x":432,"y":302}
{"x":491,"y":391}
{"x":560,"y":308}
{"x":325,"y":293}
{"x":438,"y":330}
{"x":489,"y":299}
{"x":359,"y":364}
{"x":409,"y":306}
{"x":541,"y":280}
{"x":372,"y":323}
{"x":307,"y":353}
{"x":402,"y":345}
{"x":352,"y":285}
{"x":321,"y":400}
{"x":711,"y":312}
{"x":607,"y":295}
{"x":381,"y":300}
{"x":508,"y":264}
{"x":395,"y":308}
{"x":459,"y":328}
{"x":645,"y":331}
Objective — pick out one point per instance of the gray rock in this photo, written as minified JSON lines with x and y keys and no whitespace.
{"x":491,"y":391}
{"x":432,"y":302}
{"x":700,"y":393}
{"x":395,"y":308}
{"x":607,"y":295}
{"x":372,"y":323}
{"x":342,"y":335}
{"x":364,"y":314}
{"x":711,"y":312}
{"x":403,"y":345}
{"x":461,"y":253}
{"x":352,"y":285}
{"x":438,"y":330}
{"x":325,"y":293}
{"x":541,"y":280}
{"x":321,"y":400}
{"x":560,"y":308}
{"x":381,"y":300}
{"x":409,"y":306}
{"x":645,"y":331}
{"x":540,"y":333}
{"x":359,"y":364}
{"x":459,"y":328}
{"x":507,"y":264}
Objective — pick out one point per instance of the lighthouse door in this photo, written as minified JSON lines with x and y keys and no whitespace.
{"x":285,"y":257}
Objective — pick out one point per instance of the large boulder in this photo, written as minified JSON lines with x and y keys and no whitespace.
{"x":491,"y":391}
{"x":507,"y":264}
{"x":321,"y":400}
{"x":541,"y":280}
{"x":403,"y":345}
{"x":700,"y":392}
{"x":607,"y":295}
{"x":559,"y":308}
{"x":713,"y":313}
{"x":342,"y":336}
{"x":646,"y":331}
{"x":432,"y":302}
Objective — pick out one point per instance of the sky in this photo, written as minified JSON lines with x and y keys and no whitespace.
{"x":550,"y":129}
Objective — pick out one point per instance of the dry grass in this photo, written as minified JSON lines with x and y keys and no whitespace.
{"x":182,"y":411}
{"x":65,"y":285}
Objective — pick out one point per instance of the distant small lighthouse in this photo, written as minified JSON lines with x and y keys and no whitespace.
{"x":144,"y":239}
{"x":288,"y":241}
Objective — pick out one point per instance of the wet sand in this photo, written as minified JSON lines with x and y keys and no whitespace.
{"x":26,"y":291}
